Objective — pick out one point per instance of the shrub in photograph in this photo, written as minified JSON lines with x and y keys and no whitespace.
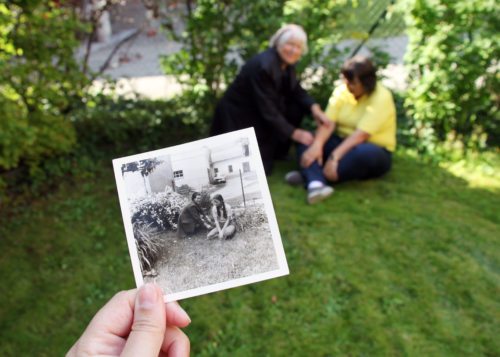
{"x":249,"y":218}
{"x":159,"y":211}
{"x":149,"y":247}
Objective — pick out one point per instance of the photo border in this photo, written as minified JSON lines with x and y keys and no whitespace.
{"x":266,"y":196}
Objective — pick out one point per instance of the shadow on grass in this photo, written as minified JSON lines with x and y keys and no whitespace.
{"x":404,"y":265}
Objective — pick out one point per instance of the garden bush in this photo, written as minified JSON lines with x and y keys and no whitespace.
{"x":40,"y":81}
{"x":149,"y":247}
{"x":453,"y":66}
{"x":159,"y":211}
{"x":249,"y":218}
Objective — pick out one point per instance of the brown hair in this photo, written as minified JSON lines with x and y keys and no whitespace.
{"x":362,"y":68}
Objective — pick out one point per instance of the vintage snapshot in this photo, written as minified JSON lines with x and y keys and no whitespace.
{"x":198,"y":217}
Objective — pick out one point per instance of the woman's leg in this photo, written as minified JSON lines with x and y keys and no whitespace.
{"x":214,"y":233}
{"x":229,"y":231}
{"x":363,"y":162}
{"x":315,"y":171}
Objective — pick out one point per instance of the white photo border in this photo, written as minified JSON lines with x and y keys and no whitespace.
{"x":266,"y":195}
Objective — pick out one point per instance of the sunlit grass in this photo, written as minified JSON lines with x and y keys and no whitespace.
{"x":405,"y":265}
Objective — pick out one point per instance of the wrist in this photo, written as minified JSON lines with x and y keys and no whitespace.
{"x":334,"y":157}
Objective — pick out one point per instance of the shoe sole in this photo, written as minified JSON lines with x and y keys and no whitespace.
{"x":319,"y":197}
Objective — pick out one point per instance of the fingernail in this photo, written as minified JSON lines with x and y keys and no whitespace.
{"x":147,"y":296}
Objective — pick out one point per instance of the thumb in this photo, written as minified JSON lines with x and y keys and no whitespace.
{"x":148,"y":328}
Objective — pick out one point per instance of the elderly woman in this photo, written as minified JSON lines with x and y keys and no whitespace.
{"x":266,"y":95}
{"x":360,"y":138}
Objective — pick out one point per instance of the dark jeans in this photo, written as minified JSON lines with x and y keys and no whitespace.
{"x":363,"y":162}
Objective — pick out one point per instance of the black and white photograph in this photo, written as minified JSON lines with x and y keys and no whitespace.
{"x":199,"y":217}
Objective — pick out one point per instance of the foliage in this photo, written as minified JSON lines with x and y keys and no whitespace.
{"x":453,"y":63}
{"x":220,"y":36}
{"x":149,"y":246}
{"x":158,"y":211}
{"x":145,"y":167}
{"x":119,"y":126}
{"x":40,"y":80}
{"x":249,"y":218}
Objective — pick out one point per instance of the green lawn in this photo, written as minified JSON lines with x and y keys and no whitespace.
{"x":403,"y":266}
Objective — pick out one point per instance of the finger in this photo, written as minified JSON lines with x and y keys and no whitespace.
{"x":176,"y":316}
{"x":175,"y":343}
{"x":116,"y":316}
{"x":149,"y":324}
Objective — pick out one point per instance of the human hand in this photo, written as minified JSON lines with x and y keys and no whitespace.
{"x":135,"y":323}
{"x":221,"y":234}
{"x":302,"y":136}
{"x":313,"y":153}
{"x":319,"y":116}
{"x":330,"y":169}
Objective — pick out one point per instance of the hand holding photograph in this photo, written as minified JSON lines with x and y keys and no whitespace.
{"x":199,"y":217}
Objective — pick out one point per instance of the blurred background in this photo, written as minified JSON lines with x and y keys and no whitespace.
{"x":406,"y":265}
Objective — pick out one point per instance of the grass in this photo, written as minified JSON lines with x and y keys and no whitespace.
{"x":403,"y":266}
{"x":197,"y":262}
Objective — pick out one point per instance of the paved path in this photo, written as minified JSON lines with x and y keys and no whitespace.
{"x":137,"y":64}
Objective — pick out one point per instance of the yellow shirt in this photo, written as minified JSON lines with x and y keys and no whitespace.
{"x":374,"y":114}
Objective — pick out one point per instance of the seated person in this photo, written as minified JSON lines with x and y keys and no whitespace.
{"x":267,"y":95}
{"x":192,"y":218}
{"x":223,"y":216}
{"x":358,"y":142}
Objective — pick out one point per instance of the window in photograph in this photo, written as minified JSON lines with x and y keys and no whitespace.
{"x":216,"y":170}
{"x":246,"y":167}
{"x":178,"y":174}
{"x":230,"y":168}
{"x":246,"y":150}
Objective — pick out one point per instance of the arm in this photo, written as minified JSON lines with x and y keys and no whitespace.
{"x":356,"y":138}
{"x":266,"y":96}
{"x":229,"y":213}
{"x":315,"y":151}
{"x":196,"y":215}
{"x":214,"y":215}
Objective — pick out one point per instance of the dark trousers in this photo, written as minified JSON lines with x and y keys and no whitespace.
{"x":363,"y":162}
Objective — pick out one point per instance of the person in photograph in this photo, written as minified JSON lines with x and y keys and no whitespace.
{"x":135,"y":323}
{"x":267,"y":95}
{"x":360,"y":138}
{"x":222,"y":215}
{"x":192,"y":218}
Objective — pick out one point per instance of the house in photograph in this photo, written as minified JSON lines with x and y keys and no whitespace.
{"x":228,"y":160}
{"x":192,"y":170}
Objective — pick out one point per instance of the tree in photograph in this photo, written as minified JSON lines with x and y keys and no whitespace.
{"x":144,"y":167}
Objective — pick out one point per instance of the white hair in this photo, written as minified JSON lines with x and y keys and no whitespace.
{"x":288,"y":32}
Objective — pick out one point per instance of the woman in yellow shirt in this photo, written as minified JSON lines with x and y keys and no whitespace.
{"x":358,"y":142}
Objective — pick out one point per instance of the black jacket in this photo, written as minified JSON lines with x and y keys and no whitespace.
{"x":259,"y":97}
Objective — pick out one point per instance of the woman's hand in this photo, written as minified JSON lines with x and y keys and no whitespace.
{"x":135,"y":323}
{"x":330,"y":169}
{"x":313,"y":153}
{"x":319,"y":116}
{"x":302,"y":136}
